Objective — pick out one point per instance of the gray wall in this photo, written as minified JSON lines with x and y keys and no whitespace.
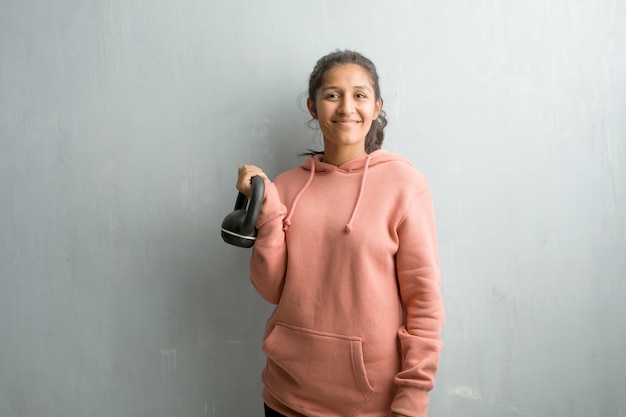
{"x":122,"y":124}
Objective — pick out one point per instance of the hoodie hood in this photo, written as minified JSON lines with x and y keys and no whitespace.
{"x":315,"y":165}
{"x":355,"y":165}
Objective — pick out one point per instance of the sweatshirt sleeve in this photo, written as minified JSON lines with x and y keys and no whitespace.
{"x":420,"y":290}
{"x":268,"y":262}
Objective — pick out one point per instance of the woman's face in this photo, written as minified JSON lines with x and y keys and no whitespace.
{"x":345,"y":106}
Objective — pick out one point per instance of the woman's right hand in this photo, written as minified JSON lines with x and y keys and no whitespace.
{"x":244,"y":181}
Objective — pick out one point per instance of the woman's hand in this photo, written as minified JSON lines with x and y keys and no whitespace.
{"x":244,"y":182}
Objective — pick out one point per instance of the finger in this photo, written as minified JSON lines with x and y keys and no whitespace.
{"x":249,"y":171}
{"x":245,"y":175}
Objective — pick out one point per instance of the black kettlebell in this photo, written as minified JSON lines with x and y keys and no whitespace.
{"x":239,"y":227}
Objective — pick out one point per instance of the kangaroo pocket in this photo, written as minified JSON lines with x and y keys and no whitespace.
{"x":315,"y":373}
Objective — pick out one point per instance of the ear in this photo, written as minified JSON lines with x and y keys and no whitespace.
{"x":379,"y":106}
{"x":311,"y":107}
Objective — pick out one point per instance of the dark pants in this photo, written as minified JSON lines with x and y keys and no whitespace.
{"x":272,"y":413}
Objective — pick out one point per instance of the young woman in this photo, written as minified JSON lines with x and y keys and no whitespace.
{"x":347,"y":250}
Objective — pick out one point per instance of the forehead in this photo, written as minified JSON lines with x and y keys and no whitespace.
{"x":347,"y":75}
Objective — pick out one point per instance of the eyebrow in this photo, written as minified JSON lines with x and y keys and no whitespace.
{"x":334,"y":87}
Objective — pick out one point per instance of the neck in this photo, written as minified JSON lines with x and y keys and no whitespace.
{"x":338,"y":157}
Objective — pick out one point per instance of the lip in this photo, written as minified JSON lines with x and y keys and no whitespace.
{"x":346,"y":122}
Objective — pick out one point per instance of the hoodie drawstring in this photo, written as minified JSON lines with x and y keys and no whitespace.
{"x":358,"y":200}
{"x":287,"y":220}
{"x":348,"y":227}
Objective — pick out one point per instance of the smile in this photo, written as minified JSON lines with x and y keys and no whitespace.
{"x":346,"y":122}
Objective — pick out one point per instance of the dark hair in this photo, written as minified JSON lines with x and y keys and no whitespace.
{"x":376,"y":135}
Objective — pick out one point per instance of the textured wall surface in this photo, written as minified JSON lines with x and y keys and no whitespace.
{"x":122,"y":124}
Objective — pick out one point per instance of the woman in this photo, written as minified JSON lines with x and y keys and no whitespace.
{"x":347,"y":250}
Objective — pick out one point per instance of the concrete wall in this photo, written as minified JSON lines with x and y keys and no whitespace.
{"x":122,"y":124}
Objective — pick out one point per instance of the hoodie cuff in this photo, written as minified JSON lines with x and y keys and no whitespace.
{"x":411,"y":402}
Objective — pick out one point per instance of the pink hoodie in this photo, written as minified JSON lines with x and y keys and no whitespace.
{"x":349,"y":255}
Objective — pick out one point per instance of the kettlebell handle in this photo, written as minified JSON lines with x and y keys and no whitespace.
{"x":256,"y":200}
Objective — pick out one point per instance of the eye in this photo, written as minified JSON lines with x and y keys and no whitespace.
{"x":361,"y":96}
{"x":332,"y":96}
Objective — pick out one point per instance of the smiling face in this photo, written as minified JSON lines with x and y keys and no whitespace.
{"x":345,"y":106}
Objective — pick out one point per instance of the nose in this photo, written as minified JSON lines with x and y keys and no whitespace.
{"x":347,"y":105}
